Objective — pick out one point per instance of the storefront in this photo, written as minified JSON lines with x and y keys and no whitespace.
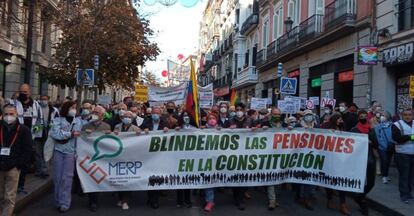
{"x":399,"y":61}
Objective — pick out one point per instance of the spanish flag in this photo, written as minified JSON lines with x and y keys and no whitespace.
{"x":192,"y":95}
{"x":233,"y":98}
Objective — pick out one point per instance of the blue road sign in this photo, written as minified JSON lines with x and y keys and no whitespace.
{"x":88,"y":77}
{"x":279,"y":69}
{"x":288,"y":85}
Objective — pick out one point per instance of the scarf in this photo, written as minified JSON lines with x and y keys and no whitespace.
{"x":363,"y":128}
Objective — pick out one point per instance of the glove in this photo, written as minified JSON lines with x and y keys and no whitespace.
{"x":412,"y":137}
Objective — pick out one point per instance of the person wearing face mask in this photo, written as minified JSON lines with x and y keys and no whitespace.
{"x":137,"y":120}
{"x":383,"y":138}
{"x":155,"y":123}
{"x":65,"y":131}
{"x":232,"y":112}
{"x":240,"y":121}
{"x":327,"y":111}
{"x":16,"y":147}
{"x":336,"y":122}
{"x":85,"y":113}
{"x":275,"y":120}
{"x":171,"y":117}
{"x":403,"y":134}
{"x":186,"y":121}
{"x":304,"y":193}
{"x":348,"y":115}
{"x":29,"y":114}
{"x":48,"y":113}
{"x":364,"y":127}
{"x":209,"y":192}
{"x":224,"y":121}
{"x":116,"y":119}
{"x":262,"y":119}
{"x":96,"y":124}
{"x":125,"y":126}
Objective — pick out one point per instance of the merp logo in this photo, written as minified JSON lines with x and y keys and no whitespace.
{"x":101,"y":151}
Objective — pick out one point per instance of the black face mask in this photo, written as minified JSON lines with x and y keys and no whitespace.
{"x":341,"y":125}
{"x":363,"y":121}
{"x":170,"y":111}
{"x":23,"y":97}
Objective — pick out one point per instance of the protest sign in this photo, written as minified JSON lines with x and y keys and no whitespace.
{"x":141,"y":93}
{"x":301,"y":100}
{"x":326,"y":101}
{"x":160,"y":95}
{"x":315,"y":100}
{"x":206,"y":96}
{"x":287,"y":106}
{"x":258,"y":103}
{"x":104,"y":99}
{"x":310,"y":105}
{"x":196,"y":159}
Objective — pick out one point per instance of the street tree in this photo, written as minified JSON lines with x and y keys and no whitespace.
{"x":110,"y":29}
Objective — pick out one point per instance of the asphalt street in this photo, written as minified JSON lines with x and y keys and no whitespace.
{"x":256,"y":206}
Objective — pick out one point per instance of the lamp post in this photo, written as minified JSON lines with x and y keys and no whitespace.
{"x":288,"y":24}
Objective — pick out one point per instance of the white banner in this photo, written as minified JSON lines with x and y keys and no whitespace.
{"x":190,"y":159}
{"x":161,"y":95}
{"x":258,"y":103}
{"x":206,"y":96}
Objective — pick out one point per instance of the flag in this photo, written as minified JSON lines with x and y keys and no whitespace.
{"x":233,"y":97}
{"x":192,"y":95}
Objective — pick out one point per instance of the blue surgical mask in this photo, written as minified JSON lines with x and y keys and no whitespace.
{"x":155,"y":117}
{"x":85,"y":112}
{"x":127,"y":121}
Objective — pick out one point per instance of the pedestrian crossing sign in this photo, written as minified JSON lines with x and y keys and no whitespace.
{"x":288,"y":85}
{"x":87,"y":77}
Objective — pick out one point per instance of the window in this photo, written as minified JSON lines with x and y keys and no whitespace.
{"x":294,"y":11}
{"x":315,"y":7}
{"x":405,"y":14}
{"x":278,"y":22}
{"x":265,"y":32}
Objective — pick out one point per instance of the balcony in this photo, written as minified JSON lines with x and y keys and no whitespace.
{"x":316,"y":31}
{"x":245,"y":77}
{"x":288,"y":41}
{"x":250,"y":24}
{"x":310,"y":28}
{"x":261,"y":57}
{"x":340,"y":12}
{"x":271,"y":49}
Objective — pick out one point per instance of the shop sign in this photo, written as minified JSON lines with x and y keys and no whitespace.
{"x":367,"y":55}
{"x":295,"y":73}
{"x":316,"y":82}
{"x":346,"y":76}
{"x":220,"y":92}
{"x":399,"y":54}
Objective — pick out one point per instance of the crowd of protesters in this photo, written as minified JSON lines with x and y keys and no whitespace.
{"x":27,"y":123}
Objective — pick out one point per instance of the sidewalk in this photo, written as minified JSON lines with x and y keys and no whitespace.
{"x":36,"y":187}
{"x":385,"y":198}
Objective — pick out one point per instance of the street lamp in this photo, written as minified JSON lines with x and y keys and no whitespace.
{"x":288,"y":24}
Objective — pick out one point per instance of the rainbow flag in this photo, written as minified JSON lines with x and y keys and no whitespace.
{"x":233,"y":98}
{"x":192,"y":95}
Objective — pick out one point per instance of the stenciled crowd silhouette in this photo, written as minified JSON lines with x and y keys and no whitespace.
{"x":277,"y":177}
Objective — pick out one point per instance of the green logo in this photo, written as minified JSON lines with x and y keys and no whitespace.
{"x":98,"y":149}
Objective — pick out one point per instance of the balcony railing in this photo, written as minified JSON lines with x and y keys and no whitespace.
{"x":339,"y":12}
{"x":288,"y":41}
{"x":250,"y":24}
{"x":246,"y":76}
{"x":271,"y":49}
{"x":310,"y":28}
{"x":261,"y":57}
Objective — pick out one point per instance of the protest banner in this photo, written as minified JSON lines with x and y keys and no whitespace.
{"x":195,"y":158}
{"x":258,"y":103}
{"x":160,"y":95}
{"x":206,"y":96}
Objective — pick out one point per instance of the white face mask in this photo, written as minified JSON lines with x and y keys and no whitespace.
{"x":327,"y":111}
{"x":223,"y":110}
{"x":342,"y":109}
{"x":9,"y":119}
{"x":240,"y":114}
{"x":261,"y":116}
{"x":72,"y":113}
{"x":44,"y":103}
{"x":127,"y":121}
{"x":383,"y":119}
{"x":94,"y":117}
{"x":308,"y":118}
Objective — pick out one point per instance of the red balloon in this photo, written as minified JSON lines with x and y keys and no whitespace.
{"x":164,"y":73}
{"x":180,"y":56}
